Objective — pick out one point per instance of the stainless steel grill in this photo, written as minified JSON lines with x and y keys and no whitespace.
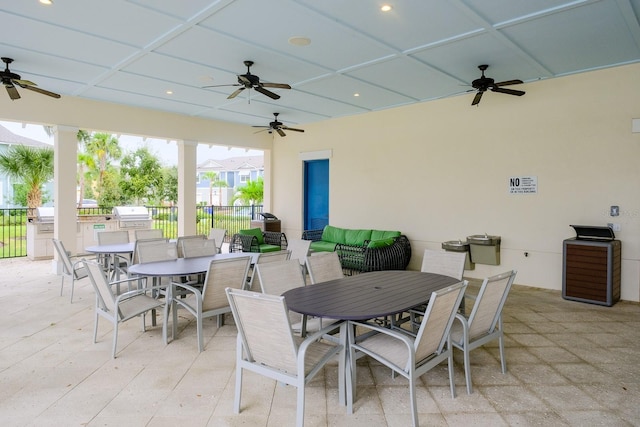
{"x":44,"y":214}
{"x":132,"y":217}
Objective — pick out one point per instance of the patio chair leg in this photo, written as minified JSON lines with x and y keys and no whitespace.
{"x":412,"y":398}
{"x":72,"y":285}
{"x":115,"y":339}
{"x":452,"y":384}
{"x":467,"y":368}
{"x":95,"y":329}
{"x":61,"y":285}
{"x":300,"y":406}
{"x":236,"y":398}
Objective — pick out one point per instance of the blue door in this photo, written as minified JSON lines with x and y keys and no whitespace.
{"x":316,"y":194}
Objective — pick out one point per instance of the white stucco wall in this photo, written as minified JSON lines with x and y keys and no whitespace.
{"x":440,"y":170}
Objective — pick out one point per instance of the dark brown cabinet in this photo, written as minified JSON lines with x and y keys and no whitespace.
{"x":591,"y":271}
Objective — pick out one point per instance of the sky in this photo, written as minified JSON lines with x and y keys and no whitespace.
{"x":167,"y":152}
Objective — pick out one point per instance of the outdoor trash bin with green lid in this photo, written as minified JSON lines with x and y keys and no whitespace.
{"x":460,"y":246}
{"x":485,"y":249}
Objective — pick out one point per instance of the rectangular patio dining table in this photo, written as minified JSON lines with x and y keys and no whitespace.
{"x":362,"y":297}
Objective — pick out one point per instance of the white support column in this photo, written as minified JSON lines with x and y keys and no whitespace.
{"x":267,"y":200}
{"x":187,"y":164}
{"x":65,"y":147}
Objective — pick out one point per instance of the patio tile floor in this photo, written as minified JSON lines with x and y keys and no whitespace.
{"x":568,"y":363}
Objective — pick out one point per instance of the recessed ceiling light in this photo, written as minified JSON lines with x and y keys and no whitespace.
{"x":47,"y":2}
{"x":169,"y":92}
{"x":299,"y":41}
{"x":356,"y":94}
{"x":386,"y":8}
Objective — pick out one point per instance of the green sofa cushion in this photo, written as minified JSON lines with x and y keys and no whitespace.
{"x":356,"y":237}
{"x":382,"y":234}
{"x":333,"y":234}
{"x":254,"y":232}
{"x":381,"y":243}
{"x":269,"y":248}
{"x":322,"y":246}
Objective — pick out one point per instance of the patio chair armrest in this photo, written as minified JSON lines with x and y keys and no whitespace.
{"x":276,"y":238}
{"x":393,"y":257}
{"x":127,"y":280}
{"x":407,"y":338}
{"x":84,"y":255}
{"x":310,"y":339}
{"x":134,"y":292}
{"x":352,"y":257}
{"x":244,"y":243}
{"x":189,"y":288}
{"x":313,"y":235}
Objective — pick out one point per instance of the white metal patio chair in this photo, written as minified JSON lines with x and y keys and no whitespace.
{"x":212,"y":300}
{"x":72,"y":267}
{"x":218,"y":234}
{"x":156,"y":250}
{"x":299,"y":250}
{"x":267,"y":346}
{"x":150,"y":233}
{"x":118,"y":308}
{"x":324,"y":266}
{"x":265,"y":258}
{"x":278,"y":277}
{"x":447,"y":263}
{"x":192,"y":248}
{"x":410,"y":357}
{"x":182,"y":239}
{"x":484,"y":323}
{"x":115,"y":261}
{"x":135,"y":257}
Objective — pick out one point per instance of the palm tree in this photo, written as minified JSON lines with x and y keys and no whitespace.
{"x":86,"y":163}
{"x":252,"y":193}
{"x":31,"y":166}
{"x":104,"y":147}
{"x":214,"y":182}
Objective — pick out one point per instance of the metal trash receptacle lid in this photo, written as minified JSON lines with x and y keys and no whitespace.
{"x":593,"y":232}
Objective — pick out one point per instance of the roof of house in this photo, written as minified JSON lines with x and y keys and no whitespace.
{"x":232,"y":164}
{"x":10,"y":138}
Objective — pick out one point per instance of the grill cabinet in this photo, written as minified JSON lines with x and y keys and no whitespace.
{"x":591,"y":269}
{"x":39,"y":234}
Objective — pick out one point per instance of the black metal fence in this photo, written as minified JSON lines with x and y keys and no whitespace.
{"x":13,"y":223}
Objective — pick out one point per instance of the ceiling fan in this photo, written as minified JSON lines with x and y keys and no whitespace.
{"x":277,"y":126}
{"x":11,"y":80}
{"x":485,"y":83}
{"x":251,"y":81}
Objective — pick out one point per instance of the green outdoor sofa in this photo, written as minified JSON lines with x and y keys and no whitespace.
{"x":256,"y":240}
{"x":362,"y":250}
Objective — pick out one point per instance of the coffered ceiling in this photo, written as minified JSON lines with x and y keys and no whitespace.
{"x":134,"y":51}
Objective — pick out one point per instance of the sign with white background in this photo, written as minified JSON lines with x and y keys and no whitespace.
{"x":523,"y":185}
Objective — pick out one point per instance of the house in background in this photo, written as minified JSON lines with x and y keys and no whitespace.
{"x":7,"y":139}
{"x":234,"y":171}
